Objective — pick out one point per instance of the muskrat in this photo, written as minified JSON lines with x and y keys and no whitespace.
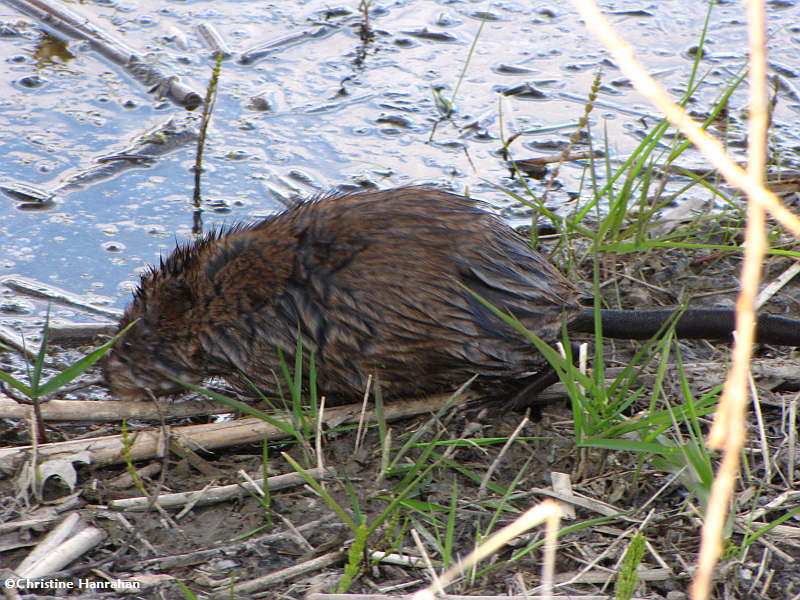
{"x":379,"y":282}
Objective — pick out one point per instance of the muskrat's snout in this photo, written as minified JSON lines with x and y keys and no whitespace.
{"x":133,"y":380}
{"x":140,"y":365}
{"x":121,"y":380}
{"x":160,"y":343}
{"x":121,"y":369}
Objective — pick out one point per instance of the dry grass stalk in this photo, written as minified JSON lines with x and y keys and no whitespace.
{"x":728,"y":430}
{"x":490,"y":471}
{"x":547,"y":511}
{"x":777,"y":283}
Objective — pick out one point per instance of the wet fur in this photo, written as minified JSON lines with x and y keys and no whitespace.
{"x":376,"y":283}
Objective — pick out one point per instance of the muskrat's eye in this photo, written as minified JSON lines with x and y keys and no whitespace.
{"x":127,"y":345}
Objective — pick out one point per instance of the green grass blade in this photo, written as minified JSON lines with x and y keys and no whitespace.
{"x":323,"y":493}
{"x":447,"y":555}
{"x":359,"y":516}
{"x":242,"y":407}
{"x":38,"y":364}
{"x":80,"y":366}
{"x":466,"y":65}
{"x":16,"y":384}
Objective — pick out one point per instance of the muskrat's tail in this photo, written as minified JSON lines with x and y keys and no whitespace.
{"x":692,"y":323}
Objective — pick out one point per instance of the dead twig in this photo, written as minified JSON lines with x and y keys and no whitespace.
{"x":215,"y":494}
{"x":267,"y":582}
{"x":67,"y":541}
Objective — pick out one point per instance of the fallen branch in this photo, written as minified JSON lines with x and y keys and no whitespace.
{"x":144,"y":445}
{"x":701,"y":375}
{"x":110,"y":410}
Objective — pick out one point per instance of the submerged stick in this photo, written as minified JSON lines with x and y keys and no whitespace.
{"x":11,"y":339}
{"x":266,"y":48}
{"x":37,"y":289}
{"x":80,"y":334}
{"x":55,"y":15}
{"x":141,"y":152}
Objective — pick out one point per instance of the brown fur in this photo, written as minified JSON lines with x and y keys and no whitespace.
{"x":376,"y":283}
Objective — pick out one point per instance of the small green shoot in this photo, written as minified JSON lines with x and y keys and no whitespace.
{"x":358,"y":525}
{"x":208,"y":107}
{"x":466,"y":64}
{"x":127,"y":444}
{"x":447,"y":553}
{"x":186,"y":591}
{"x":446,"y":106}
{"x":628,"y":574}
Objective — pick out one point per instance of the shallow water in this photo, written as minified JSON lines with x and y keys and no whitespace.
{"x":328,"y":110}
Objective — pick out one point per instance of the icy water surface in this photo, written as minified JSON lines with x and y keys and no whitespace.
{"x":322,"y":108}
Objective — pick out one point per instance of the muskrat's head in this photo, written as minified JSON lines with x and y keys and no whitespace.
{"x":162,"y":344}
